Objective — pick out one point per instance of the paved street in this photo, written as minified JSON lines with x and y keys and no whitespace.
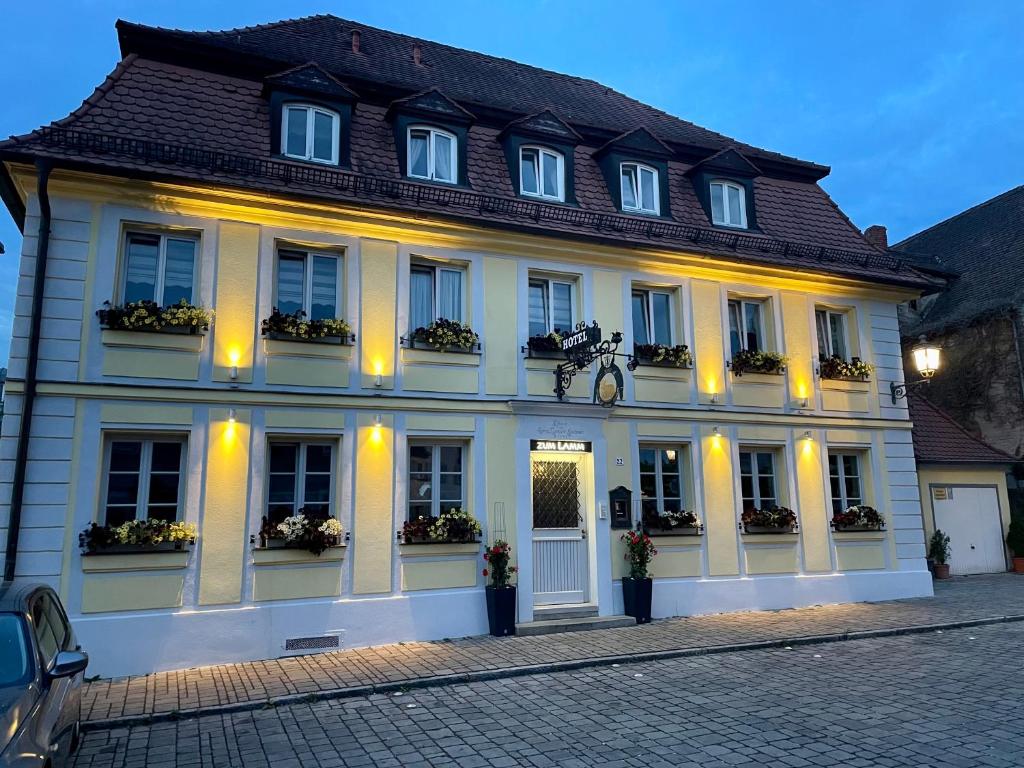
{"x":937,"y":699}
{"x":360,"y":669}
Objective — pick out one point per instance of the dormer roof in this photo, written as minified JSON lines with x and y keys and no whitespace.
{"x":432,"y":103}
{"x":729,"y":162}
{"x":310,"y":79}
{"x":638,"y":141}
{"x":543,"y":125}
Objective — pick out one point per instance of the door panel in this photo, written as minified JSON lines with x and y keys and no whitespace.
{"x":970,"y":517}
{"x":559,"y":538}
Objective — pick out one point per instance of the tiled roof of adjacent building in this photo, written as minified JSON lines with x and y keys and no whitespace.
{"x":191,"y":105}
{"x":984,"y":245}
{"x":939,"y":439}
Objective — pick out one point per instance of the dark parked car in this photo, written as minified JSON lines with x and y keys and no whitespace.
{"x":41,"y":672}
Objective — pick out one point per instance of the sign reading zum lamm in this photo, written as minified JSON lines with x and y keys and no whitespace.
{"x":561,"y":446}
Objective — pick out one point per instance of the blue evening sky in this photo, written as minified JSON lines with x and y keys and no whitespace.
{"x":918,"y":107}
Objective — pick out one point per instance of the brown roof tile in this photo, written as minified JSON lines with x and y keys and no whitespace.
{"x":941,"y":440}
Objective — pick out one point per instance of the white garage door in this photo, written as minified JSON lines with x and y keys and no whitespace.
{"x":970,"y":517}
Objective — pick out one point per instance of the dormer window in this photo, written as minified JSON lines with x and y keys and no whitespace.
{"x":639,"y":188}
{"x":728,"y":204}
{"x":541,"y":173}
{"x":310,"y":133}
{"x":433,"y":155}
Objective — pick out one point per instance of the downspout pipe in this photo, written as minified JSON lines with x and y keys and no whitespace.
{"x":43,"y":169}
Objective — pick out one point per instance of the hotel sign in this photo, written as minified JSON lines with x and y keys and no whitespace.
{"x":583,"y":336}
{"x":561,"y":446}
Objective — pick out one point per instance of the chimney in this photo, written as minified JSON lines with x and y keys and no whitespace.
{"x":416,"y":54}
{"x":355,"y":41}
{"x":877,"y":236}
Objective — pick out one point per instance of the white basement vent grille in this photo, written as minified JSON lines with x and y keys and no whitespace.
{"x":313,"y":644}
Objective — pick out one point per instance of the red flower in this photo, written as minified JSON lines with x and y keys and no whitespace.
{"x":485,"y":572}
{"x":487,"y":556}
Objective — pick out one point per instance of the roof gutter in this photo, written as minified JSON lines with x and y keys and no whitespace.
{"x":43,"y":168}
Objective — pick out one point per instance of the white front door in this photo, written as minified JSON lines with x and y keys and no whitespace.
{"x":559,"y":528}
{"x":970,"y":517}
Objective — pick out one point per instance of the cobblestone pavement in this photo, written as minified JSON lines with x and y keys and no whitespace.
{"x":961,"y":599}
{"x":944,"y":699}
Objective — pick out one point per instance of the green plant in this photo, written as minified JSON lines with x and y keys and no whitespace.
{"x":1015,"y":535}
{"x":772,"y":517}
{"x":836,"y":367}
{"x":446,"y":334}
{"x":497,"y":558}
{"x":745,"y":361}
{"x":679,"y":355}
{"x":292,"y":324}
{"x":143,"y":533}
{"x":639,"y":552}
{"x":149,"y":316}
{"x":938,"y":548}
{"x":303,"y":531}
{"x":549,"y":342}
{"x":858,"y":515}
{"x":452,"y":526}
{"x":669,"y":520}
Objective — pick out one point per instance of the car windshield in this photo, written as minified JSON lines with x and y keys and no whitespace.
{"x":13,"y":650}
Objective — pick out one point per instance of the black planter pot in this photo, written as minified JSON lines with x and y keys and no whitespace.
{"x":636,"y":596}
{"x":501,"y":610}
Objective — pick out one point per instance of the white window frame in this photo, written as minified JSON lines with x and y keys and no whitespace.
{"x":431,"y":134}
{"x":638,"y":190}
{"x":160,"y":280}
{"x":435,"y":472}
{"x":560,"y":175}
{"x":828,"y":314}
{"x":755,"y":476}
{"x":742,"y":305}
{"x":435,"y":269}
{"x":307,"y":283}
{"x":650,"y":292}
{"x":681,"y":462}
{"x":841,"y":476}
{"x":727,"y":221}
{"x":300,"y":470}
{"x":548,"y":282}
{"x":145,"y":470}
{"x":311,"y":110}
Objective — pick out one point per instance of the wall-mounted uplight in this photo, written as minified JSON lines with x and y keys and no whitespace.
{"x":716,"y":432}
{"x":378,"y":369}
{"x":378,"y":420}
{"x":927,"y":359}
{"x":807,"y":435}
{"x":233,"y":372}
{"x":232,"y":416}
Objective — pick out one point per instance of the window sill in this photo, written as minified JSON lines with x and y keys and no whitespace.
{"x":662,"y":372}
{"x":773,"y":537}
{"x":752,"y":377}
{"x":432,"y":356}
{"x":435,"y":548}
{"x":172,"y":340}
{"x":691,"y":533}
{"x":860,"y":535}
{"x":294,"y":555}
{"x":545,"y":354}
{"x":137,"y":560}
{"x":847,"y":384}
{"x":291,"y":347}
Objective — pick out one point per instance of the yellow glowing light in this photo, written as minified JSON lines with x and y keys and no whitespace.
{"x":712,"y":385}
{"x":378,"y":367}
{"x":234,"y":355}
{"x":801,"y":389}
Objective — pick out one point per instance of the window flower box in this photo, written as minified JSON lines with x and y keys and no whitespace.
{"x":444,"y":336}
{"x":138,"y":549}
{"x":663,"y":356}
{"x":672,"y":524}
{"x":545,"y":347}
{"x":291,"y":327}
{"x":858,"y":518}
{"x":455,"y":526}
{"x":771,"y":520}
{"x":768,"y":363}
{"x":137,"y":536}
{"x":301,"y":531}
{"x":837,"y":369}
{"x":148,"y":317}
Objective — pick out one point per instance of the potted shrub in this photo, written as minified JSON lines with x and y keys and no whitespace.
{"x":637,"y":587}
{"x":938,"y":552}
{"x":663,"y":355}
{"x":501,"y":594}
{"x":1015,"y":541}
{"x":290,"y":326}
{"x":859,"y":517}
{"x":137,"y":536}
{"x":679,"y":523}
{"x":836,"y":367}
{"x":771,"y":520}
{"x":454,"y":526}
{"x":148,"y":316}
{"x":302,"y":531}
{"x":445,"y":336}
{"x":744,"y":361}
{"x":548,"y":345}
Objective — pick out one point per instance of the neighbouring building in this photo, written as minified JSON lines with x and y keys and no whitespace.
{"x":963,"y":489}
{"x":358,"y":175}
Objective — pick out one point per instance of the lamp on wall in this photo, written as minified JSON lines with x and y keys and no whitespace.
{"x":927,"y":359}
{"x":232,"y":416}
{"x":233,"y":371}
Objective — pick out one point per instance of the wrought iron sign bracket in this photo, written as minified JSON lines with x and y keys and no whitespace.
{"x":582,"y":347}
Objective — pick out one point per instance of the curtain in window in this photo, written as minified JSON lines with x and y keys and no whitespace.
{"x":528,"y":168}
{"x":641,"y":333}
{"x":443,"y":158}
{"x":538,"y":308}
{"x":821,"y":324}
{"x":561,"y":306}
{"x":291,"y":281}
{"x":662,"y":318}
{"x":179,"y":265}
{"x":143,"y":255}
{"x":295,"y":137}
{"x":752,"y":311}
{"x":735,"y":323}
{"x":835,"y":322}
{"x":418,"y":154}
{"x":451,"y":294}
{"x":324,"y":302}
{"x":629,"y":189}
{"x":421,"y":297}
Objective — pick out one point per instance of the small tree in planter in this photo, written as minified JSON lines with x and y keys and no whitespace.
{"x":938,"y":552}
{"x":1015,"y":541}
{"x":501,"y":593}
{"x":637,"y":587}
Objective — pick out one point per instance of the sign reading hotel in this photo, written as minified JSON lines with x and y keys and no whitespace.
{"x":582,"y":337}
{"x":561,"y":446}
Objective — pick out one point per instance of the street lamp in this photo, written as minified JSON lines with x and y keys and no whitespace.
{"x":927,"y":358}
